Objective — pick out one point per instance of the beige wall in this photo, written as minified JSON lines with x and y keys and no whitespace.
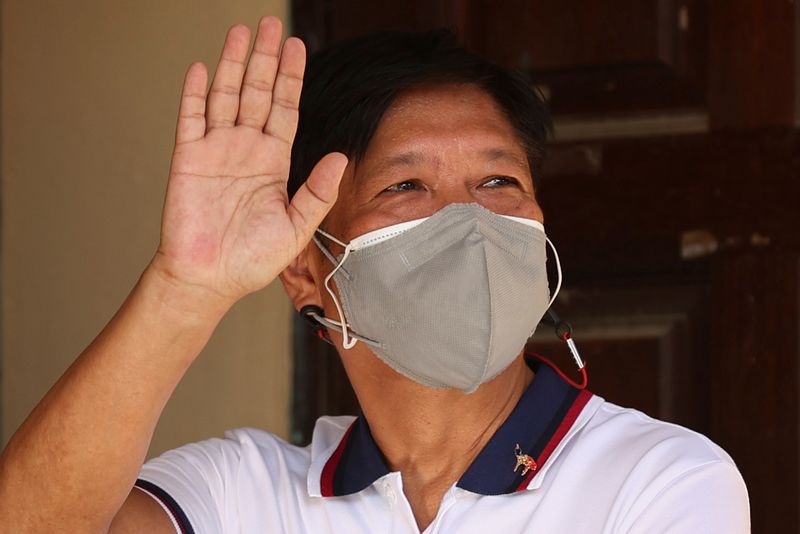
{"x":89,"y":97}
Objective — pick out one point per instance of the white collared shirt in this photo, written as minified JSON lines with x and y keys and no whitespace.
{"x":598,"y":468}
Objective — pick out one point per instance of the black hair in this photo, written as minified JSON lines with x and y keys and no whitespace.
{"x":349,"y":86}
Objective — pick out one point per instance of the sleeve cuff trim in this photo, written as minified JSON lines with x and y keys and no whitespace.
{"x":174,"y":511}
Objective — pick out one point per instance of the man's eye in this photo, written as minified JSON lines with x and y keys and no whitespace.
{"x":499,"y":181}
{"x":408,"y":185}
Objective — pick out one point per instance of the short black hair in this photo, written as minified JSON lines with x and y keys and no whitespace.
{"x":349,"y":86}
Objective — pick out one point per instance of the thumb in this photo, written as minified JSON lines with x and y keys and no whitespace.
{"x":316,"y":196}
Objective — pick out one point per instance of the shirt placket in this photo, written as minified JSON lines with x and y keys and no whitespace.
{"x":402,"y":518}
{"x":448,"y":500}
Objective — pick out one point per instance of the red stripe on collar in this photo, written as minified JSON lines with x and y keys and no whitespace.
{"x":326,"y":480}
{"x":569,"y":419}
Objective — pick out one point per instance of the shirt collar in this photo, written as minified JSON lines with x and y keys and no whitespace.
{"x":541,"y":420}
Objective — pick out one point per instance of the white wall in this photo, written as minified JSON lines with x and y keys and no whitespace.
{"x":89,"y":96}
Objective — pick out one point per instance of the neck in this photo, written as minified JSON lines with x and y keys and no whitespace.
{"x":432,"y":436}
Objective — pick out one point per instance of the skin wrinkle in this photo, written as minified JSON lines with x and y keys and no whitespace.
{"x":451,"y":141}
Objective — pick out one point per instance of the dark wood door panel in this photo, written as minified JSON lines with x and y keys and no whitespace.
{"x":632,"y":213}
{"x":536,"y":28}
{"x":755,"y":403}
{"x":754,"y":52}
{"x":597,"y":56}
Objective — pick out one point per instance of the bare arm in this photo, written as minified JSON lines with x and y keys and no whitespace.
{"x":141,"y":513}
{"x":228,"y":229}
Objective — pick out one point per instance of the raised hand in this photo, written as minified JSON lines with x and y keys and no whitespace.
{"x":228,"y":226}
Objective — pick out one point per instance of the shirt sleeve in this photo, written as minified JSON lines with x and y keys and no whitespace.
{"x":190,"y":484}
{"x":710,"y":498}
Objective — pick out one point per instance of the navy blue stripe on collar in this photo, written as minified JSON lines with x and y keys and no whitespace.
{"x":356,"y":463}
{"x":541,"y":418}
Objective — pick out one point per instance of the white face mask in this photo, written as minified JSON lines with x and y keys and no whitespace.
{"x":449,"y":300}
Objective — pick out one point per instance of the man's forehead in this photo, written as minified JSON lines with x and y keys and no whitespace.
{"x":426,"y":123}
{"x":438,"y":101}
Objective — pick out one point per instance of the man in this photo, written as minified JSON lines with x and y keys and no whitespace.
{"x":417,"y":243}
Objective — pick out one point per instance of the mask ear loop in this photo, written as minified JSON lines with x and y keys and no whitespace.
{"x":348,"y":342}
{"x":558,"y":270}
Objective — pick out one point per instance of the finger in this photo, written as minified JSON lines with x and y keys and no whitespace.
{"x":316,"y":196}
{"x":223,"y":97}
{"x":192,"y":111}
{"x":259,"y":78}
{"x":282,"y":120}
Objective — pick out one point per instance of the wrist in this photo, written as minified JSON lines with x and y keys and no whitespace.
{"x":192,"y":303}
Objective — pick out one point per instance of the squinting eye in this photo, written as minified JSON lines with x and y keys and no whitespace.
{"x":408,"y":185}
{"x":499,"y":181}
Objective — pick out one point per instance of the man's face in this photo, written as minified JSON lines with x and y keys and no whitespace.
{"x":435,"y":145}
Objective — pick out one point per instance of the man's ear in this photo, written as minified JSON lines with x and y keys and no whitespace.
{"x":299,"y":282}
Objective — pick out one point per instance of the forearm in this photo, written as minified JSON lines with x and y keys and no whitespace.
{"x":74,"y":460}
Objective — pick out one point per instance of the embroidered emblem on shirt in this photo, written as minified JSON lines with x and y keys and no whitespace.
{"x":523,"y":460}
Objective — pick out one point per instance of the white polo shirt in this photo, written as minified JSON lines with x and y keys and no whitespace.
{"x":597,"y":468}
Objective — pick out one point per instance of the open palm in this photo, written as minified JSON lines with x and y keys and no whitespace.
{"x":228,"y":225}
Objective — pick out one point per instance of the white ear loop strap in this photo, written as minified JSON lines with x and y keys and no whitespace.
{"x":558,"y":270}
{"x":348,"y":342}
{"x":558,"y":284}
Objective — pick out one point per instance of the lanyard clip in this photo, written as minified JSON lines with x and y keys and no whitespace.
{"x":564,"y":332}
